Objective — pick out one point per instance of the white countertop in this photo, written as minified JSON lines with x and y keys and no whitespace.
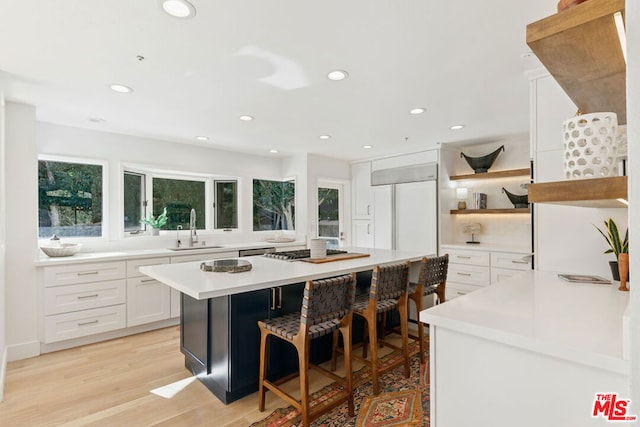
{"x":83,"y":257}
{"x":491,"y":247}
{"x":266,"y":272}
{"x":583,"y":323}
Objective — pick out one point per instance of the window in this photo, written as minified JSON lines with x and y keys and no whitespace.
{"x":134,"y":201}
{"x":329,"y":218}
{"x":273,"y":205}
{"x":149,"y":192}
{"x":226,"y":205}
{"x":69,"y":199}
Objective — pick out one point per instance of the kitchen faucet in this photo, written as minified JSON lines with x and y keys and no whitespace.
{"x":193,"y":236}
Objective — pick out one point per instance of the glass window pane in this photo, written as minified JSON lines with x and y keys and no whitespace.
{"x":69,"y":199}
{"x":273,"y":205}
{"x":226,"y":204}
{"x":328,"y":215}
{"x":133,"y":201}
{"x":179,"y":197}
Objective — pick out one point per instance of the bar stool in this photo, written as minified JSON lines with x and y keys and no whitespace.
{"x":326,"y":307}
{"x":389,"y":286}
{"x":432,"y":279}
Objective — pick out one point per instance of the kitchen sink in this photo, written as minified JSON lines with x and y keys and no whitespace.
{"x":194,"y":248}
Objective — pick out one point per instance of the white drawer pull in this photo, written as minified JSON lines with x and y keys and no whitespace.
{"x":463,"y":257}
{"x":461,"y":293}
{"x":463,"y":274}
{"x":93,"y":322}
{"x":87,"y":296}
{"x":87,"y":273}
{"x":515,"y":261}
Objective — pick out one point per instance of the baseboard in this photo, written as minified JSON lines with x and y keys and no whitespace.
{"x":3,"y":372}
{"x":23,"y":351}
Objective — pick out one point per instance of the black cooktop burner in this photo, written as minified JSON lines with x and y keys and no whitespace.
{"x":302,"y":253}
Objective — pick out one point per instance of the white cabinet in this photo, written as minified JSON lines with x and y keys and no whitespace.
{"x":382,"y":217}
{"x":83,"y":299}
{"x":362,"y":193}
{"x":363,"y":234}
{"x":148,"y":300}
{"x":470,"y":269}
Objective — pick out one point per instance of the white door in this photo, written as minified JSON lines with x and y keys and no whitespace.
{"x":331,"y":213}
{"x":416,"y":217}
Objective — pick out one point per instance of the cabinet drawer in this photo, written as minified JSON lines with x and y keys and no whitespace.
{"x":83,"y":273}
{"x":469,"y":257}
{"x":513,"y":261}
{"x":203,"y":257}
{"x":500,"y":274}
{"x":468,"y":274}
{"x":64,"y":299}
{"x":82,"y":323}
{"x":454,"y":290}
{"x":134,"y":265}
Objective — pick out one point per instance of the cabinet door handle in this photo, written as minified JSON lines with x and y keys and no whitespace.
{"x":463,"y":257}
{"x":87,"y":296}
{"x":515,"y":261}
{"x":87,"y":273}
{"x":368,"y":209}
{"x":147,"y":280}
{"x":273,"y":298}
{"x":368,"y":228}
{"x":92,"y":322}
{"x":461,"y":293}
{"x":280,"y":297}
{"x":463,"y":274}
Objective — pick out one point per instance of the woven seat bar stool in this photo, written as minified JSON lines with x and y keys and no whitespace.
{"x":389,"y":287}
{"x":326,"y":307}
{"x":432,"y":279}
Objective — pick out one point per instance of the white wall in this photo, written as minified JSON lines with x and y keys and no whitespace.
{"x":21,"y":302}
{"x":3,"y":216}
{"x":633,"y":131}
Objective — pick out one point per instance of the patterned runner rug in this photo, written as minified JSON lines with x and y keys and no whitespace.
{"x":392,"y":381}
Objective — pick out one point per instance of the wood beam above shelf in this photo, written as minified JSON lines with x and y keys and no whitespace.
{"x":595,"y":192}
{"x":491,"y":175}
{"x":490,"y":211}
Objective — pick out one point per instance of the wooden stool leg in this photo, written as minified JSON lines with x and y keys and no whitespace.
{"x":303,"y":363}
{"x":365,"y":339}
{"x":418,"y":301}
{"x":404,"y":327}
{"x":263,"y":368}
{"x":334,"y":350}
{"x":373,"y":346}
{"x":348,"y":369}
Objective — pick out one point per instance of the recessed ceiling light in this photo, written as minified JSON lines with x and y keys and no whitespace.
{"x":417,"y":111}
{"x":456,"y":127}
{"x":178,"y":8}
{"x":202,"y":138}
{"x":325,"y":136}
{"x":120,"y":88}
{"x":367,"y":146}
{"x":337,"y":75}
{"x":274,"y":151}
{"x":246,"y":118}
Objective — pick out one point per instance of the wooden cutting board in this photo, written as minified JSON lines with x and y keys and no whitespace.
{"x":337,"y":257}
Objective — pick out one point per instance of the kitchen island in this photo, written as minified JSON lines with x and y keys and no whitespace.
{"x":219,"y":336}
{"x":531,"y":351}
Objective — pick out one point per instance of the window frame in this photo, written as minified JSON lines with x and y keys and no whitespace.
{"x":105,"y":193}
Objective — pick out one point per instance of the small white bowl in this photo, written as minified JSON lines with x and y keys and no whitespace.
{"x":65,"y":249}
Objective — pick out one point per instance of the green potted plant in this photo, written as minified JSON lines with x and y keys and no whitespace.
{"x":156,"y":223}
{"x":617,"y":245}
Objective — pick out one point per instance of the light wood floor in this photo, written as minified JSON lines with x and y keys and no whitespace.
{"x":109,"y":383}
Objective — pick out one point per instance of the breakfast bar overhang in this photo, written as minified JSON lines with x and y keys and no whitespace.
{"x":219,"y":336}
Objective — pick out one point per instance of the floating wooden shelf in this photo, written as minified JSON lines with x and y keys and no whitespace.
{"x":581,"y":49}
{"x":492,"y":175}
{"x":490,"y":211}
{"x":594,"y":193}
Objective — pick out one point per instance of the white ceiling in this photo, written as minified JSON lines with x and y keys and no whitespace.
{"x":462,"y":60}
